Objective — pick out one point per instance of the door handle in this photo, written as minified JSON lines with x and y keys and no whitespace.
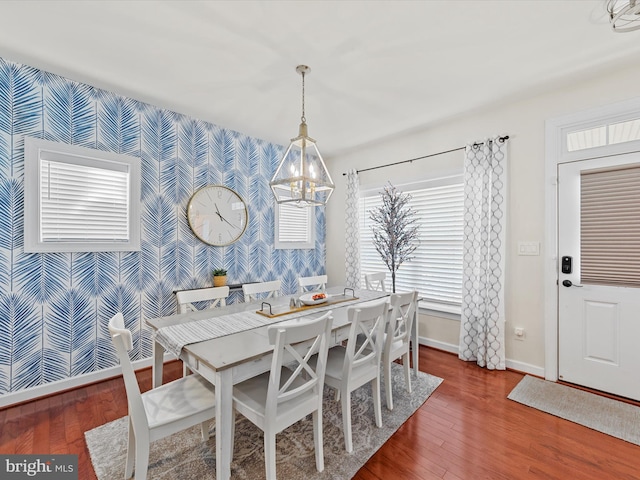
{"x":568,"y":283}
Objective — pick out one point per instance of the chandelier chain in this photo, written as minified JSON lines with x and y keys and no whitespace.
{"x":303,"y":118}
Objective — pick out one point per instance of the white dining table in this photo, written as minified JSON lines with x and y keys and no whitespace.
{"x":234,"y":357}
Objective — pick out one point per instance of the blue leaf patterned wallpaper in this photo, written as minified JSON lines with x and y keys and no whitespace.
{"x":54,"y":308}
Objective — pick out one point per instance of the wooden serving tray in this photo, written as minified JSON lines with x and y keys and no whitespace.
{"x":278,"y":311}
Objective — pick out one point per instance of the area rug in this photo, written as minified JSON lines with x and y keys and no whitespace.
{"x":185,"y":456}
{"x":615,"y":418}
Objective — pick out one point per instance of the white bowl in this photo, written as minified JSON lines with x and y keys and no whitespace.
{"x":307,"y":299}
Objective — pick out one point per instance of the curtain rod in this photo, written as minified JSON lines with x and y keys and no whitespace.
{"x":475,"y":145}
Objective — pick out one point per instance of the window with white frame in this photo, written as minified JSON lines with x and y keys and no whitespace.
{"x":603,"y":134}
{"x":294,"y":227}
{"x":436,"y":268}
{"x":79,"y":199}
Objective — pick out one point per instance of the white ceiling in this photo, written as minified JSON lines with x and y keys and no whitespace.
{"x":379,"y":68}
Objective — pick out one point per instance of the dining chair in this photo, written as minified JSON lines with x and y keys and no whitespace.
{"x":216,"y":296}
{"x":357,"y":363}
{"x":292,"y":389}
{"x":251,"y":291}
{"x":316,"y":283}
{"x":375,"y":281}
{"x":397,"y":338}
{"x":161,"y":411}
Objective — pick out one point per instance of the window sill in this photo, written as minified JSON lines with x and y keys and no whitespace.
{"x":450,"y":312}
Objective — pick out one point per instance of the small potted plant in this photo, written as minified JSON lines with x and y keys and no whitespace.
{"x":219,"y":277}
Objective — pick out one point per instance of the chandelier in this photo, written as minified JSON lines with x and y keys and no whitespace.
{"x":624,"y":15}
{"x":302,"y":178}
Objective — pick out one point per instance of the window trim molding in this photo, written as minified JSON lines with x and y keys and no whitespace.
{"x":33,"y":149}
{"x":600,"y":116}
{"x":442,"y":178}
{"x":440,"y":310}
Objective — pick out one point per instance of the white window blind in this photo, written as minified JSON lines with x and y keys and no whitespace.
{"x":79,"y":199}
{"x":79,"y":203}
{"x":294,"y":227}
{"x":436,"y":269}
{"x":610,"y":227}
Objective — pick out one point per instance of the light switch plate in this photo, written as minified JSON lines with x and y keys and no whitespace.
{"x":528,"y":248}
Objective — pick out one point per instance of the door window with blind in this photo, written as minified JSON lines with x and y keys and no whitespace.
{"x":435,"y":270}
{"x":79,"y":199}
{"x":610,"y":227}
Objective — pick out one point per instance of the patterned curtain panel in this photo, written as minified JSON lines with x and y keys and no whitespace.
{"x":482,"y":321}
{"x":352,"y":231}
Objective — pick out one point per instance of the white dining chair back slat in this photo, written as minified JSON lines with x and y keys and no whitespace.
{"x":216,"y":296}
{"x":317,"y":283}
{"x":375,"y":281}
{"x":264,"y":290}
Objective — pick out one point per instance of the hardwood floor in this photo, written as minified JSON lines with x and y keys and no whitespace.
{"x":467,"y":430}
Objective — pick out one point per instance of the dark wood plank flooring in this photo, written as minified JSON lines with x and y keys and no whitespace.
{"x":467,"y":430}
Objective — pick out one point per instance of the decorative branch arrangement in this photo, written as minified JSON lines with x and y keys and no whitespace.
{"x":395,"y":233}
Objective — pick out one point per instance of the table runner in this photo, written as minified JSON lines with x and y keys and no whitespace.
{"x":174,"y":337}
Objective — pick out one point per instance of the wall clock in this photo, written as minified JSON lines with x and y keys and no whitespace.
{"x":217,"y":215}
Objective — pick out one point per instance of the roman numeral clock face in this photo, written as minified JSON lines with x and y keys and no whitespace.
{"x":217,"y":215}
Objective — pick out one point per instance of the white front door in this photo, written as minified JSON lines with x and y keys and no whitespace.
{"x":598,"y":325}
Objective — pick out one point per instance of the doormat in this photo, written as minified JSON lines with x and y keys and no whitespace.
{"x":606,"y":415}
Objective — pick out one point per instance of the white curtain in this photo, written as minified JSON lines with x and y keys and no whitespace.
{"x":352,"y":231}
{"x":482,"y":333}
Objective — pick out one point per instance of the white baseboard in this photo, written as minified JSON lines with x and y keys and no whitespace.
{"x":525,"y":368}
{"x":510,"y":364}
{"x":52,"y":388}
{"x":447,"y":347}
